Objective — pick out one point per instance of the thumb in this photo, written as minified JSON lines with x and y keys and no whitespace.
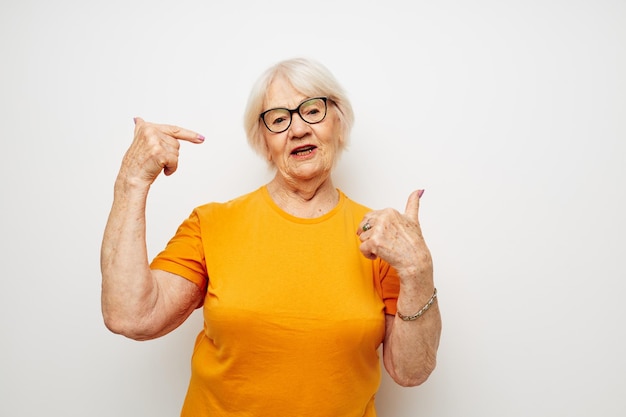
{"x":139,"y":122}
{"x":413,"y":205}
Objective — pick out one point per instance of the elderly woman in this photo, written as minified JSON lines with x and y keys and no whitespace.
{"x":299,"y":284}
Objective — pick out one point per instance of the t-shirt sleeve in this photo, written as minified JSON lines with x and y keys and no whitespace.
{"x":184,"y":253}
{"x":388,"y":284}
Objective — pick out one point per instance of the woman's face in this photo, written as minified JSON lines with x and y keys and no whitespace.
{"x":304,"y":151}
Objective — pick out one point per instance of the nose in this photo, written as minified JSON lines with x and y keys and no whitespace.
{"x":298,"y":126}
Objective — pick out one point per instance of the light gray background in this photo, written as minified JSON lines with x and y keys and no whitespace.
{"x":509,"y":113}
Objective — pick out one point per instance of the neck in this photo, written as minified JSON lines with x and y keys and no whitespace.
{"x":307,"y":200}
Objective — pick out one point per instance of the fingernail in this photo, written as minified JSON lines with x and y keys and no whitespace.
{"x":200,"y":137}
{"x":134,"y":120}
{"x":420,"y":193}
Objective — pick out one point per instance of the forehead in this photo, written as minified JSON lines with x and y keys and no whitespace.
{"x":281,"y":93}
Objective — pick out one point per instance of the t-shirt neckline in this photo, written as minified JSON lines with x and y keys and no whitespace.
{"x":302,"y":220}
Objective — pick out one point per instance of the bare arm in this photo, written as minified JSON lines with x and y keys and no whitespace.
{"x":410,"y":347}
{"x":138,"y":302}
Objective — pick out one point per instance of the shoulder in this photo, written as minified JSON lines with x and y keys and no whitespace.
{"x":355,"y":207}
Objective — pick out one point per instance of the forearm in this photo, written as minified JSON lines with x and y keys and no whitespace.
{"x":128,"y":288}
{"x":411,"y":346}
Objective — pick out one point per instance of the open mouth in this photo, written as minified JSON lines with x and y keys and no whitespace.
{"x":304,"y":150}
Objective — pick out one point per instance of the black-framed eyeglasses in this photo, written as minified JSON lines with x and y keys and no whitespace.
{"x":312,"y":110}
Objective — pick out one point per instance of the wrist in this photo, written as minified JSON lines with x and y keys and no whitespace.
{"x":126,"y":186}
{"x":421,"y":311}
{"x":417,"y":278}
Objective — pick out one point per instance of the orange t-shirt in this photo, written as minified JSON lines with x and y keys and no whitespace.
{"x":293,"y":315}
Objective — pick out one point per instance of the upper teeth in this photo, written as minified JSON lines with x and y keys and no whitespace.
{"x":304,"y":150}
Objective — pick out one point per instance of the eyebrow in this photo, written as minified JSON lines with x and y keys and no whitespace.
{"x":288,"y":108}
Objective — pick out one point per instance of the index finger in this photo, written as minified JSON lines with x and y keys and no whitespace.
{"x":181,"y":133}
{"x":174,"y":131}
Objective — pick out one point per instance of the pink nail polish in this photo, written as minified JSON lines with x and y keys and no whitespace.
{"x":200,"y":137}
{"x":420,"y":193}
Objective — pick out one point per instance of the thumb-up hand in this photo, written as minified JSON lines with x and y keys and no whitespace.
{"x":396,"y":238}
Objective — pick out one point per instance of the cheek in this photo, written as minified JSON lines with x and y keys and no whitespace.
{"x":336,"y":140}
{"x":272,"y":148}
{"x":337,"y":133}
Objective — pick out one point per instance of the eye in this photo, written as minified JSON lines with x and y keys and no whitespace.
{"x":311,"y":110}
{"x":278,"y":120}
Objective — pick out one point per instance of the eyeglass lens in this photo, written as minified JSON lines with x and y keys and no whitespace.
{"x":312,"y":111}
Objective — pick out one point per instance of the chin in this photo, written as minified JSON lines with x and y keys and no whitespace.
{"x":308,"y":174}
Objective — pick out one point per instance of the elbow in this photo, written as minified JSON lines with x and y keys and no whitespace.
{"x":125,"y":327}
{"x":412,"y":380}
{"x":415,"y":377}
{"x":127,"y":319}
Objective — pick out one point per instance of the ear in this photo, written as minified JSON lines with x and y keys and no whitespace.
{"x":268,"y":157}
{"x":266,"y":150}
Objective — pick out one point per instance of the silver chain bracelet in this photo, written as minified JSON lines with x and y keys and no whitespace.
{"x":422,"y":310}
